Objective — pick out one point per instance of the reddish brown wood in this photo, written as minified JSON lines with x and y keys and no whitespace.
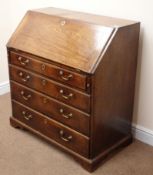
{"x":66,"y":41}
{"x":49,"y":70}
{"x":51,"y":88}
{"x":51,"y":108}
{"x":92,"y":57}
{"x":71,"y":139}
{"x":89,"y":18}
{"x":87,"y":163}
{"x":113,"y":90}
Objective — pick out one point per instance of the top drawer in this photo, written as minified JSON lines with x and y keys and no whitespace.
{"x":57,"y":73}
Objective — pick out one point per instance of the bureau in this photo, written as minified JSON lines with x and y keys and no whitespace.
{"x":72,"y":78}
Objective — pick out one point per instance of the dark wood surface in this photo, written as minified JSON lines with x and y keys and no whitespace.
{"x":52,"y":108}
{"x":87,"y":163}
{"x":29,"y":62}
{"x":113,"y":90}
{"x":52,"y":129}
{"x":63,"y":93}
{"x":69,"y":42}
{"x":72,"y":81}
{"x":89,"y":18}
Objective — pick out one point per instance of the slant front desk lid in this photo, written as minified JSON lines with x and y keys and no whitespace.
{"x":62,"y":39}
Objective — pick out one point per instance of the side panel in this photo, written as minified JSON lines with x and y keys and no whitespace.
{"x":113,"y":91}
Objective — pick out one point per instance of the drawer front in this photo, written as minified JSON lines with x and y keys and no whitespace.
{"x":52,"y":129}
{"x":57,"y":73}
{"x":52,"y":108}
{"x":51,"y":88}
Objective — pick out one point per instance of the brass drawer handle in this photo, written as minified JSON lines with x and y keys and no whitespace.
{"x":27,"y":117}
{"x":24,"y":78}
{"x":25,"y":97}
{"x":67,"y":97}
{"x":67,"y":116}
{"x":22,"y":61}
{"x":66,"y":78}
{"x":66,"y":139}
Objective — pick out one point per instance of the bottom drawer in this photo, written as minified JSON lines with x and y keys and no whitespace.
{"x":60,"y":133}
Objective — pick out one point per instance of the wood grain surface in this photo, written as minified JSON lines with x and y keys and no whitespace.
{"x":70,"y":42}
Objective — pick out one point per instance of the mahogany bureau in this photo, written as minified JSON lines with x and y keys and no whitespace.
{"x":72,"y":78}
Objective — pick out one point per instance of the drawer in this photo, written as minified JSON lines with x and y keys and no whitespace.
{"x":52,"y":129}
{"x":52,"y":108}
{"x":51,"y":71}
{"x":51,"y":88}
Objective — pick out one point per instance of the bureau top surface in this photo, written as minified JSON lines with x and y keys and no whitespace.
{"x":70,"y":38}
{"x":90,"y":18}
